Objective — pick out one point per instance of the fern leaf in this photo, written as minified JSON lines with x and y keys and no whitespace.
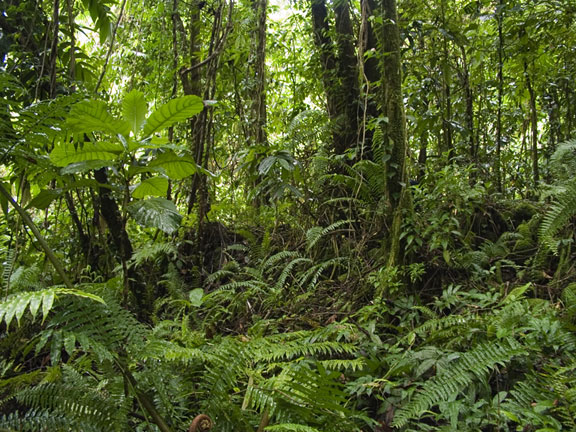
{"x":313,"y":235}
{"x":290,"y":427}
{"x":15,"y":305}
{"x":557,"y":216}
{"x":152,"y":251}
{"x":472,"y":365}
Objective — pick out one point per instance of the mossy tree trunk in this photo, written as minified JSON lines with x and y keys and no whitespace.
{"x":339,"y":72}
{"x":394,"y":132}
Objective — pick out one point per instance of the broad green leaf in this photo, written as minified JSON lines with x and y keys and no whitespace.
{"x":3,"y":200}
{"x":34,"y":305}
{"x":266,"y":164}
{"x":195,"y":296}
{"x":80,"y":167}
{"x":43,"y":200}
{"x":79,"y":293}
{"x":93,"y":116}
{"x":20,"y":308}
{"x":176,"y":167}
{"x":134,"y":110}
{"x":517,"y":293}
{"x":159,"y":141}
{"x":69,"y":343}
{"x":134,"y":170}
{"x":156,"y":213}
{"x":155,"y":186}
{"x":47,"y":302}
{"x":65,"y":153}
{"x":175,"y":111}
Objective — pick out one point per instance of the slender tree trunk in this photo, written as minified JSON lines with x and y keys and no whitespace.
{"x":371,"y":77}
{"x":447,"y":137}
{"x":259,"y":8}
{"x":568,"y":100}
{"x":72,"y":29}
{"x":469,"y":97}
{"x":500,"y":78}
{"x":534,"y":122}
{"x":422,"y":154}
{"x":54,"y":47}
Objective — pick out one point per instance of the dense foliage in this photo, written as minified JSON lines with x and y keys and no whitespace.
{"x":292,"y":217}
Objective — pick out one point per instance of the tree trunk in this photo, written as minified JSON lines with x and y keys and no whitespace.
{"x":534,"y":130}
{"x":259,"y":8}
{"x":371,"y":77}
{"x":394,"y":130}
{"x":447,"y":138}
{"x":339,"y":72}
{"x":469,"y":97}
{"x":500,"y":78}
{"x":116,"y":223}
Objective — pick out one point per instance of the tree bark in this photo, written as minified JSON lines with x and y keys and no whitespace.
{"x":394,"y":130}
{"x":339,"y":72}
{"x":534,"y":130}
{"x":500,"y":78}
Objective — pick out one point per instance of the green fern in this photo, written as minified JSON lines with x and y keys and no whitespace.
{"x":152,"y":251}
{"x":557,"y":217}
{"x":471,"y":366}
{"x":315,"y":234}
{"x":7,"y":268}
{"x":15,"y":305}
{"x":290,"y":427}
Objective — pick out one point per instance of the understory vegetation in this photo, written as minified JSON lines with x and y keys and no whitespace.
{"x":319,"y":216}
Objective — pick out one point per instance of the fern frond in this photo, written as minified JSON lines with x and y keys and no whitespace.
{"x":270,"y":263}
{"x":272,"y":351}
{"x":557,"y":217}
{"x":563,"y":160}
{"x":34,"y":421}
{"x":435,"y":325}
{"x":254,"y":285}
{"x":472,"y":365}
{"x":15,"y":305}
{"x":104,"y":328}
{"x":7,"y":268}
{"x":152,"y":251}
{"x":288,"y":269}
{"x":24,"y":278}
{"x":310,"y":278}
{"x":222,"y":273}
{"x":313,"y":235}
{"x":78,"y":404}
{"x":290,"y":427}
{"x":171,"y":352}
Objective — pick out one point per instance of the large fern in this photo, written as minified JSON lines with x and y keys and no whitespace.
{"x":471,"y":366}
{"x":559,"y":214}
